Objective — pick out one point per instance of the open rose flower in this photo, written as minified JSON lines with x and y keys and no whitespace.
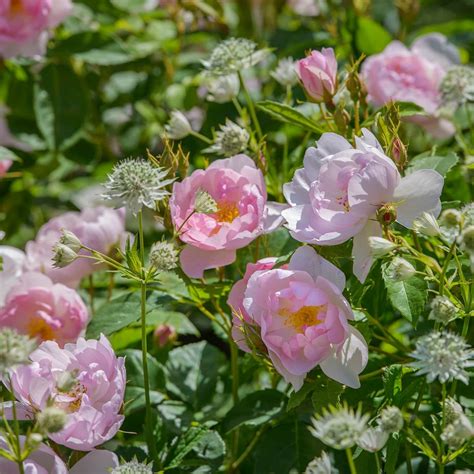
{"x":10,"y":270}
{"x":24,"y":25}
{"x":242,"y":213}
{"x":413,"y":75}
{"x":92,"y":405}
{"x":99,"y":228}
{"x":44,"y":460}
{"x":318,"y":74}
{"x":343,"y":192}
{"x":303,"y":318}
{"x":44,"y":310}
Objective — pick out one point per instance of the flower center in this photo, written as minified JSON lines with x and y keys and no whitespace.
{"x":16,"y":6}
{"x":227,"y":211}
{"x":39,"y":328}
{"x":304,"y":317}
{"x":73,"y":398}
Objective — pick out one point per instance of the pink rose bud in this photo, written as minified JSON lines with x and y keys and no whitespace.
{"x":4,"y":167}
{"x":318,"y":74}
{"x":164,"y":334}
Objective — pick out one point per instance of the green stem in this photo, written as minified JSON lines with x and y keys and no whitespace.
{"x":248,"y":450}
{"x":146,"y":382}
{"x":251,"y":107}
{"x":350,"y":461}
{"x":201,"y":137}
{"x":442,"y":279}
{"x":443,"y":424}
{"x":16,"y":429}
{"x":377,"y":462}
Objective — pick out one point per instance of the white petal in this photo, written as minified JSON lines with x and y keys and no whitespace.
{"x":361,"y":250}
{"x":367,"y":140}
{"x":417,"y":193}
{"x":306,"y":259}
{"x":273,"y":217}
{"x":346,"y":365}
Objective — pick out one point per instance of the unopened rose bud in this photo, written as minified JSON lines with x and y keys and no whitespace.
{"x":70,"y":240}
{"x":380,"y":246}
{"x":164,"y":334}
{"x":387,"y":214}
{"x":400,"y":269}
{"x":51,"y":419}
{"x":426,"y":224}
{"x":63,"y":256}
{"x":399,"y":152}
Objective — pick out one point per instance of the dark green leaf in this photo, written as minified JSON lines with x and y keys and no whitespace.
{"x":326,"y":393}
{"x":134,"y":366}
{"x":185,"y":444}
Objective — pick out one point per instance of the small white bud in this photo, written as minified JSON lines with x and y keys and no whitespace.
{"x":63,"y":256}
{"x":442,"y":310}
{"x":51,"y":419}
{"x":230,"y":140}
{"x":380,"y":246}
{"x":204,"y":203}
{"x":164,"y":256}
{"x":373,"y":439}
{"x":34,"y":440}
{"x":69,"y":239}
{"x":452,"y":410}
{"x":222,"y":89}
{"x":458,"y":432}
{"x":400,"y":269}
{"x":391,"y":419}
{"x":426,"y":224}
{"x":178,"y":126}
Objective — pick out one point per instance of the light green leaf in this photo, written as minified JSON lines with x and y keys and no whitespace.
{"x":371,"y":37}
{"x":179,"y":321}
{"x":441,"y":164}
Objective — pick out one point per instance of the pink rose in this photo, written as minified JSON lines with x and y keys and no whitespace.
{"x":38,"y":307}
{"x":413,"y":75}
{"x":4,"y":167}
{"x":164,"y":334}
{"x":236,"y":300}
{"x":303,"y":320}
{"x":99,"y":228}
{"x":93,"y":405}
{"x":12,"y":267}
{"x":24,"y":25}
{"x":45,"y":461}
{"x":242,"y":214}
{"x":341,"y":191}
{"x":318,"y":74}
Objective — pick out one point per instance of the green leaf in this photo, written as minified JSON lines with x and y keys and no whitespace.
{"x":135,"y":399}
{"x":179,"y":321}
{"x":408,"y":297}
{"x":371,"y":37}
{"x":392,"y":381}
{"x":285,"y":113}
{"x":114,"y":315}
{"x":326,"y":392}
{"x":61,"y":104}
{"x":6,"y":154}
{"x":192,"y":372}
{"x":255,"y":409}
{"x":393,"y":448}
{"x":441,"y":164}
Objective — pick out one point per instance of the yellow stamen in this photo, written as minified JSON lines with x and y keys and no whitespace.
{"x":227,"y":211}
{"x":40,"y":329}
{"x":304,"y":317}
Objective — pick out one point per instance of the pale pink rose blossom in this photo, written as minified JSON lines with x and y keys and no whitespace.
{"x":303,"y":320}
{"x":36,"y":306}
{"x":100,"y":228}
{"x":44,"y":460}
{"x":318,"y":74}
{"x":93,"y":405}
{"x":243,"y":213}
{"x":12,"y":267}
{"x":413,"y":75}
{"x":25,"y":25}
{"x":339,"y":193}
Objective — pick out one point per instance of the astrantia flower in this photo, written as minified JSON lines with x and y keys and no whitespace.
{"x":178,"y":126}
{"x":343,"y":192}
{"x":380,"y":246}
{"x":133,"y":467}
{"x":230,"y":140}
{"x":339,"y":428}
{"x":164,"y":256}
{"x":390,"y":419}
{"x":205,"y":203}
{"x":443,"y":356}
{"x":222,"y":89}
{"x":63,"y":256}
{"x":452,"y":410}
{"x":321,"y":465}
{"x":373,"y":439}
{"x":458,"y":432}
{"x":135,"y":183}
{"x":233,"y":55}
{"x":285,"y":73}
{"x":15,"y":349}
{"x":442,"y":310}
{"x":457,"y":87}
{"x":468,"y":214}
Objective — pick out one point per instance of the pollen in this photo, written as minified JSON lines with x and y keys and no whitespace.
{"x":227,"y":211}
{"x":38,"y":328}
{"x":304,"y":317}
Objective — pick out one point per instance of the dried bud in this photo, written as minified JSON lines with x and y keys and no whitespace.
{"x":387,"y":214}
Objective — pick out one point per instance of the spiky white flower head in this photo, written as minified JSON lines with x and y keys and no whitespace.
{"x":133,"y":467}
{"x":178,"y":126}
{"x":321,"y":465}
{"x":63,"y":256}
{"x":51,"y":420}
{"x":204,"y":203}
{"x":466,"y":239}
{"x":443,"y":356}
{"x":233,"y":55}
{"x":15,"y":349}
{"x":426,"y":224}
{"x":457,"y":86}
{"x":69,"y":239}
{"x":467,"y":213}
{"x":458,"y":432}
{"x":285,"y":73}
{"x":164,"y":256}
{"x":339,"y":428}
{"x":390,"y":419}
{"x":452,"y":410}
{"x":380,"y":246}
{"x":442,"y":310}
{"x":135,"y":183}
{"x":400,"y":269}
{"x":373,"y":439}
{"x":230,"y":140}
{"x":222,"y":89}
{"x":450,"y":218}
